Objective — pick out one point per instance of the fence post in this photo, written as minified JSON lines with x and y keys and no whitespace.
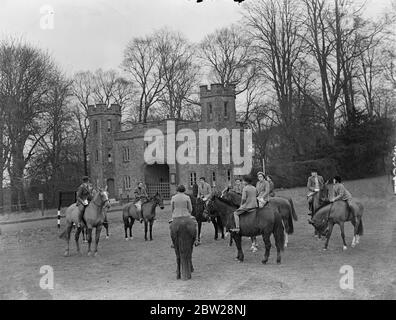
{"x":59,"y":207}
{"x":41,"y":199}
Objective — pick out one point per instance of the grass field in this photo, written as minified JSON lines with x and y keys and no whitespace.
{"x":146,"y":270}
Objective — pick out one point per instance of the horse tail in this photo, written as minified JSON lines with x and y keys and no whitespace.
{"x":290,"y":228}
{"x":360,"y":228}
{"x":293,"y":212}
{"x":279,"y":231}
{"x":185,"y":248}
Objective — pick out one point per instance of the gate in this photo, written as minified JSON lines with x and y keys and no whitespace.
{"x":163,"y":188}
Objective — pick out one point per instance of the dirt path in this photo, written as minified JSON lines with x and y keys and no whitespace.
{"x":146,"y":270}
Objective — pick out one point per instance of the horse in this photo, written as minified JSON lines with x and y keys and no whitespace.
{"x":93,"y":217}
{"x":319,"y":200}
{"x":183,"y":233}
{"x":105,"y":225}
{"x":198,"y":211}
{"x":284,"y":205}
{"x":261,"y":221}
{"x":129,"y":215}
{"x":338,"y":212}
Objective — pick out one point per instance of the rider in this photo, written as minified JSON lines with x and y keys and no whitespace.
{"x":141,"y":197}
{"x":263,"y":189}
{"x":248,"y":201}
{"x":84,"y":196}
{"x":315,"y":184}
{"x":238,"y":187}
{"x":341,"y":193}
{"x":272,"y":186}
{"x":204,"y":189}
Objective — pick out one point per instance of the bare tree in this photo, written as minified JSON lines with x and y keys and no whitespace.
{"x":275,"y":28}
{"x":26,"y":72}
{"x":142,"y":63}
{"x":180,"y":71}
{"x":226,"y":53}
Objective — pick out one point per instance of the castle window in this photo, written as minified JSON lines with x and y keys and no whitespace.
{"x":108,"y":125}
{"x":193,"y":178}
{"x":226,"y":110}
{"x":127,"y":182}
{"x":125,"y":154}
{"x":96,"y":126}
{"x":109,"y":158}
{"x":213,"y":178}
{"x":227,"y":143}
{"x":229,"y":175}
{"x":210,"y":112}
{"x":97,"y":156}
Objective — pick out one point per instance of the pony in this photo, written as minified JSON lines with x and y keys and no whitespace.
{"x":198,"y":211}
{"x":183,"y":233}
{"x":261,"y":221}
{"x":338,"y":212}
{"x":129,"y":215}
{"x":319,"y":200}
{"x":93,"y":217}
{"x":284,"y":205}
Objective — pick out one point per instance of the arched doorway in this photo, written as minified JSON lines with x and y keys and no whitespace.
{"x":110,"y":188}
{"x":156,"y":177}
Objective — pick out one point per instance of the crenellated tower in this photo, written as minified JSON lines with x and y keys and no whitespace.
{"x":104,"y":121}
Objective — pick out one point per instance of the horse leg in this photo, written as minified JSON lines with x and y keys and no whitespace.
{"x":343,"y":236}
{"x":145,"y":230}
{"x":69,"y":227}
{"x":76,"y":238}
{"x":198,"y":240}
{"x":126,"y":225}
{"x":97,"y":236}
{"x":230,"y":243}
{"x":84,"y":233}
{"x":151,"y":229}
{"x":267,"y":243}
{"x":89,"y":236}
{"x":106,"y":226}
{"x":178,"y":274}
{"x":216,"y":228}
{"x":330,"y":230}
{"x":238,"y":243}
{"x":254,"y":244}
{"x":286,"y":230}
{"x":130,"y":227}
{"x":353,"y":244}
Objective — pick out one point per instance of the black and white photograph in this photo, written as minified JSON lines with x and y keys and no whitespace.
{"x":216,"y":151}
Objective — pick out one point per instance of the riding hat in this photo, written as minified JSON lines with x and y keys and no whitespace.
{"x":262,"y":173}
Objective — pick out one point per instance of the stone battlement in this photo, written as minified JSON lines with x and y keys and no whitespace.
{"x":102,"y":108}
{"x":216,"y":89}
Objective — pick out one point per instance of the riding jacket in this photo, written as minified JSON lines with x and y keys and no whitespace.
{"x":181,"y":205}
{"x":84,"y":193}
{"x":341,"y":193}
{"x":312,"y":184}
{"x":248,"y":200}
{"x":204,"y":190}
{"x":263,"y":189}
{"x":140,"y":194}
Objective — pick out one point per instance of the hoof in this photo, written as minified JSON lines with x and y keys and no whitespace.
{"x":278,"y":262}
{"x":95,"y":254}
{"x":107,"y":237}
{"x":353,"y":245}
{"x":126,"y":239}
{"x":285,"y":246}
{"x":264,"y":261}
{"x":66,"y":254}
{"x":254,"y":250}
{"x":344,"y":248}
{"x":89,"y":253}
{"x":197,"y":244}
{"x":324,"y":249}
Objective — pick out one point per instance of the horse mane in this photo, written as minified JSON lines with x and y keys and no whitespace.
{"x":225,"y":201}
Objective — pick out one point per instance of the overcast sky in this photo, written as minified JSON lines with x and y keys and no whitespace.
{"x":91,"y":34}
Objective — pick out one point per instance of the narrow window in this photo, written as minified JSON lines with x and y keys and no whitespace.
{"x":96,"y":126}
{"x":229,"y":175}
{"x":97,"y":155}
{"x":193,"y":178}
{"x":226,"y":110}
{"x":213,"y":178}
{"x":108,"y":125}
{"x":210,"y":112}
{"x":109,"y":159}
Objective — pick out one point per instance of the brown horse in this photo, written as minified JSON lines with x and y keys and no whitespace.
{"x":93,"y":217}
{"x":284,"y":205}
{"x":263,"y":221}
{"x":129,"y":215}
{"x":183,"y":233}
{"x":338,"y":213}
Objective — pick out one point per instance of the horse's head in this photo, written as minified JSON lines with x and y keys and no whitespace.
{"x":319,"y":222}
{"x":209,"y":205}
{"x":231,"y":196}
{"x":103,"y":195}
{"x":158,"y":200}
{"x":200,"y":206}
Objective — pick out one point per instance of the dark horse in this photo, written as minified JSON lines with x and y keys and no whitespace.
{"x":263,"y":221}
{"x":338,"y":213}
{"x":284,"y":205}
{"x":183,"y":233}
{"x":94,"y":217}
{"x":198,"y":211}
{"x":129,"y":215}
